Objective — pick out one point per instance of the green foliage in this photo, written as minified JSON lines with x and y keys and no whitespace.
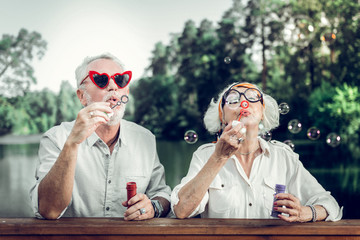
{"x":16,"y":54}
{"x":184,"y":75}
{"x":7,"y":115}
{"x":36,"y":112}
{"x":337,"y":109}
{"x":193,"y":70}
{"x":67,"y":103}
{"x":156,"y":105}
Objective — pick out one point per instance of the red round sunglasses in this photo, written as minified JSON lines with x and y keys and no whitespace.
{"x":102,"y":80}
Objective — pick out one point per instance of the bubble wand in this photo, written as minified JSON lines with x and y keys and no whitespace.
{"x":124,"y":99}
{"x":244,"y":104}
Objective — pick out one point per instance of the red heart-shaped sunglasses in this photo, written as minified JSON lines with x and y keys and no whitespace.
{"x":103,"y":79}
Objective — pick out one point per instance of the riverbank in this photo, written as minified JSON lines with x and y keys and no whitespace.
{"x":20,"y":139}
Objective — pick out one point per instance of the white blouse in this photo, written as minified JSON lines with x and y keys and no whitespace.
{"x":233,"y":195}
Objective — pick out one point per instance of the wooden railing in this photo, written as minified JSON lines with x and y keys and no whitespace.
{"x":195,"y":228}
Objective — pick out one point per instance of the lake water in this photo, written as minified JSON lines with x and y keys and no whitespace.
{"x":334,"y":168}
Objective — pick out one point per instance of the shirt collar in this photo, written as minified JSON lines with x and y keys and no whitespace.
{"x":122,"y":135}
{"x":93,"y":138}
{"x":264,"y":145}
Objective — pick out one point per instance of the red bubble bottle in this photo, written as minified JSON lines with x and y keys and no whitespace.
{"x":131,"y":190}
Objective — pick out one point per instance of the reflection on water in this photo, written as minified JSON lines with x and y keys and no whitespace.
{"x":335,"y":168}
{"x":17,"y":169}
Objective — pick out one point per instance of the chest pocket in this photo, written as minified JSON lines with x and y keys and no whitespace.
{"x":223,"y":198}
{"x":141,"y":182}
{"x":268,"y":191}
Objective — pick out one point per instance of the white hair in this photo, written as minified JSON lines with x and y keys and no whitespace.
{"x":82,"y":70}
{"x":270,"y":111}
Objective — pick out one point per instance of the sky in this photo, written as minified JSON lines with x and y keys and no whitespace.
{"x":74,"y":29}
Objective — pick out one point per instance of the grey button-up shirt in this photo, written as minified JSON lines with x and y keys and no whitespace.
{"x":101,"y":177}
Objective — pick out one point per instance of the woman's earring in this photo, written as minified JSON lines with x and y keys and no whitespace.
{"x":261,"y":125}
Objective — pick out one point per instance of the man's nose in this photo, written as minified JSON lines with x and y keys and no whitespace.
{"x":112,"y":85}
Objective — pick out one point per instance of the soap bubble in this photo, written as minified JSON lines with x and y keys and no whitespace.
{"x":294,"y":126}
{"x":284,"y":108}
{"x":227,"y":60}
{"x":328,"y":37}
{"x":313,"y":133}
{"x":290,"y":144}
{"x":299,"y":30}
{"x":191,"y":136}
{"x":266,"y":136}
{"x":333,"y":139}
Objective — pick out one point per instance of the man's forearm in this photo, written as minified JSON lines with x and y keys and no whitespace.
{"x":55,"y":190}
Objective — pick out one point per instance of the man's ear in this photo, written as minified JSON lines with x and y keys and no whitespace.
{"x":80,"y":95}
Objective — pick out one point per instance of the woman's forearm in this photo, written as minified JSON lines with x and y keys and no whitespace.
{"x":191,"y":194}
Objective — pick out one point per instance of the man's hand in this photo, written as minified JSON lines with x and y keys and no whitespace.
{"x":138,"y":202}
{"x":88,"y":120}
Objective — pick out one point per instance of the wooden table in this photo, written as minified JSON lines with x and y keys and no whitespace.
{"x":195,"y":228}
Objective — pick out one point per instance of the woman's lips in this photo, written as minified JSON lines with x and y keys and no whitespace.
{"x":244,"y":113}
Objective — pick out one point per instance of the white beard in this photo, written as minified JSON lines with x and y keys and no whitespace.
{"x":118,"y":113}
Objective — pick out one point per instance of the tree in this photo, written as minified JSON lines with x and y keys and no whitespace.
{"x":16,"y":54}
{"x":156,"y":106}
{"x":264,"y":23}
{"x":68,"y":104}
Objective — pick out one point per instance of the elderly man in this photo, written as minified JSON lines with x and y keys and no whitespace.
{"x":84,"y":165}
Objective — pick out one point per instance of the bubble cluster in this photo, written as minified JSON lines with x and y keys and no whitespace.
{"x":313,"y":133}
{"x":284,"y":108}
{"x":290,"y":144}
{"x":333,"y":139}
{"x":266,"y":136}
{"x":191,"y":137}
{"x":294,"y":126}
{"x":227,"y":60}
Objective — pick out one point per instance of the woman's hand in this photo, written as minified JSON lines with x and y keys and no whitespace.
{"x":230,"y":141}
{"x":293,"y":207}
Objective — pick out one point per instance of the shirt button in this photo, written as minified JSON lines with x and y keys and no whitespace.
{"x":107,"y":208}
{"x":109,"y":181}
{"x":250,"y":204}
{"x":222,"y":185}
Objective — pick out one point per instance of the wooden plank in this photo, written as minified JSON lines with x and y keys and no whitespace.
{"x":111,"y":228}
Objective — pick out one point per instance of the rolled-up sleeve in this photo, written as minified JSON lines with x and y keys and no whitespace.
{"x":196,"y":164}
{"x":47,"y":155}
{"x":304,"y":186}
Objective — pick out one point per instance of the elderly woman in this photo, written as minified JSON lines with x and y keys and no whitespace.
{"x":236,"y":176}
